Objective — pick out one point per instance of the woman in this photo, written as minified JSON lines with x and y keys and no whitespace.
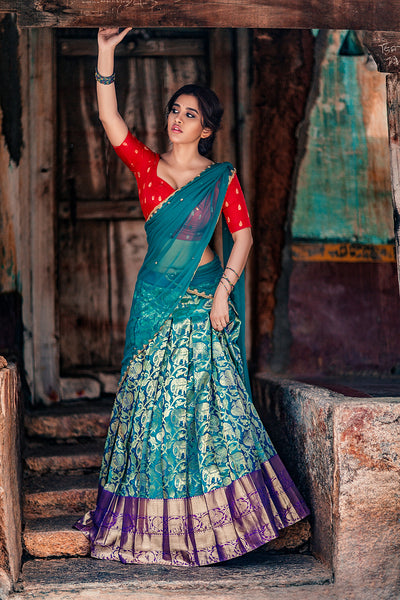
{"x":189,"y":475}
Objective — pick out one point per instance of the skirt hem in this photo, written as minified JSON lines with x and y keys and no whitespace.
{"x":220,"y":525}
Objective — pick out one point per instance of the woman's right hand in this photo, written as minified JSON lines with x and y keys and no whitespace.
{"x":109,"y":37}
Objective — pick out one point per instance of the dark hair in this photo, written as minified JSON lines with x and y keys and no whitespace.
{"x":210,"y":108}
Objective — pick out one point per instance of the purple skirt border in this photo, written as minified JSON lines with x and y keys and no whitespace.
{"x":217,"y":526}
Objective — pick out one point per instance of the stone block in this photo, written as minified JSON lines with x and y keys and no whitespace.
{"x":367,"y":497}
{"x":76,"y":419}
{"x":55,"y":495}
{"x":299,"y":420}
{"x":109,"y":381}
{"x":10,"y":472}
{"x":73,"y":388}
{"x":247,"y":577}
{"x":44,"y":458}
{"x":54,"y":537}
{"x":295,"y":537}
{"x":345,"y":455}
{"x":5,"y":585}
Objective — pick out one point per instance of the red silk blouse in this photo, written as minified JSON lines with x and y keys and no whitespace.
{"x":152,"y":189}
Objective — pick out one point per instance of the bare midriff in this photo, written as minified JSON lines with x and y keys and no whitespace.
{"x":208,"y":256}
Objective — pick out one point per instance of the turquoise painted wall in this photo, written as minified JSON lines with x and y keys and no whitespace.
{"x":343,"y":188}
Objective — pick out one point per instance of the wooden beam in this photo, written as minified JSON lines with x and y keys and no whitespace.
{"x":188,"y":47}
{"x":385,"y":49}
{"x":297,"y":14}
{"x":100,"y":210}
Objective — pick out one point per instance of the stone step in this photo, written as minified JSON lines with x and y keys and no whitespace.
{"x":53,"y":494}
{"x":54,"y":536}
{"x":255,"y":576}
{"x":74,"y":419}
{"x":43,"y":458}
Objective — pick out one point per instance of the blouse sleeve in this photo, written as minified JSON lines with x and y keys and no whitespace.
{"x":136,"y":155}
{"x":235,"y":209}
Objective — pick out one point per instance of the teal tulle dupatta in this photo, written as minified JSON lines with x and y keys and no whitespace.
{"x":178,"y":232}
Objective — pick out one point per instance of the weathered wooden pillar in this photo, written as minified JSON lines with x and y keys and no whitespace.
{"x":41,"y":97}
{"x":10,"y":476}
{"x":384,"y":47}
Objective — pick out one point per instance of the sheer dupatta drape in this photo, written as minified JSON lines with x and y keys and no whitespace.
{"x":178,"y":232}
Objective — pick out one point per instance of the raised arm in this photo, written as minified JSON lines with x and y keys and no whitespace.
{"x":114,"y":125}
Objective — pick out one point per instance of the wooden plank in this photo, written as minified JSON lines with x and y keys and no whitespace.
{"x":298,"y":14}
{"x":393,"y":111}
{"x":223,"y":83}
{"x":103,"y":210}
{"x":128,"y":247}
{"x":343,"y":252}
{"x":41,"y":134}
{"x":82,"y":142}
{"x":11,"y":411}
{"x":15,"y":230}
{"x":84,"y":295}
{"x":181,"y":47}
{"x":23,"y":220}
{"x":244,"y":113}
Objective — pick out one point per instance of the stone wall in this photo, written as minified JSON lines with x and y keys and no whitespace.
{"x":10,"y":475}
{"x":344,"y":455}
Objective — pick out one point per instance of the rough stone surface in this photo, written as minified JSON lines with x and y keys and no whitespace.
{"x":348,"y":462}
{"x":10,"y":472}
{"x":295,"y":537}
{"x":5,"y":585}
{"x":109,"y":382}
{"x":54,"y":536}
{"x":298,"y":417}
{"x":55,"y":495}
{"x":73,"y":388}
{"x":367,"y":498}
{"x":254,"y":572}
{"x":43,"y":458}
{"x":76,"y":419}
{"x":309,"y":592}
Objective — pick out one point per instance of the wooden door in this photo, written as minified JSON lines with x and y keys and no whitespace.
{"x":101,"y":241}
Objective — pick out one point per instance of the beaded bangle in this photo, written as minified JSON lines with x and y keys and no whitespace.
{"x":226,"y":289}
{"x":105,"y":80}
{"x":230,"y":283}
{"x":230,"y":268}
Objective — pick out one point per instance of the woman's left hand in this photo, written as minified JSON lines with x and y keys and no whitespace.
{"x":219,"y":314}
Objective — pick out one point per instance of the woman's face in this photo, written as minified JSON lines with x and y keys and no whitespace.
{"x":185,"y":121}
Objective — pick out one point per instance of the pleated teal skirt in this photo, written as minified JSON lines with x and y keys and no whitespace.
{"x":189,"y":474}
